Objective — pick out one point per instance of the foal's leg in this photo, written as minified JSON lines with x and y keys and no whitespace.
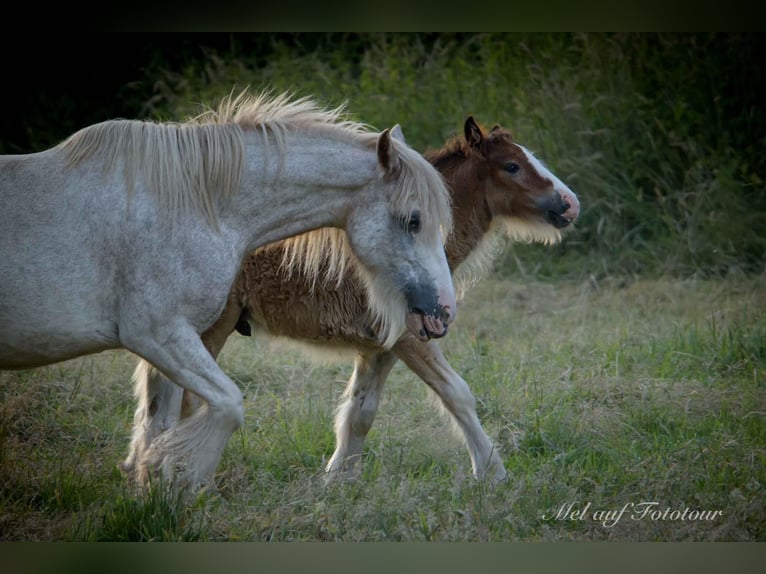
{"x":161,"y":403}
{"x":356,"y":414}
{"x":428,"y":362}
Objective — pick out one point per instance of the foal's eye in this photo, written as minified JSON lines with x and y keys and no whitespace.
{"x":412,"y":223}
{"x":511,"y":167}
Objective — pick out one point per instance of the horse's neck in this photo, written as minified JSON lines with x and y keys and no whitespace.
{"x":310,"y":187}
{"x":471,"y":213}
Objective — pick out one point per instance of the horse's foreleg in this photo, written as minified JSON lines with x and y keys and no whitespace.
{"x":188,"y":452}
{"x":428,"y":362}
{"x":356,"y":414}
{"x":214,"y":339}
{"x":160,"y":402}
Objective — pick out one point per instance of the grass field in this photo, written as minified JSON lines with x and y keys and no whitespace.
{"x":602,"y":396}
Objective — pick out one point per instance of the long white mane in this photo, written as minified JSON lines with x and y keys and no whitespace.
{"x":187,"y":166}
{"x":192,"y":165}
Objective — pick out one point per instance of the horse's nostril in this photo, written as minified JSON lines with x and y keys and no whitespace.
{"x":571,"y":208}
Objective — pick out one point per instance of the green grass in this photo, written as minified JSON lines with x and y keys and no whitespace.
{"x":608,"y":393}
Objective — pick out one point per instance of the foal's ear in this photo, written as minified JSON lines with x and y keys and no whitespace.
{"x":473,"y":133}
{"x":386,"y":155}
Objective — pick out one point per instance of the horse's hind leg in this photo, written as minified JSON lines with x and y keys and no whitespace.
{"x":158,"y":409}
{"x":356,"y":414}
{"x":428,"y":362}
{"x":188,"y":453}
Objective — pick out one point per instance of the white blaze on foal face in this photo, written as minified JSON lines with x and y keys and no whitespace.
{"x":569,"y":201}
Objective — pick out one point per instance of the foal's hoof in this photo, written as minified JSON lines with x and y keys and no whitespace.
{"x":340,"y":477}
{"x":126,"y":467}
{"x":499,"y":478}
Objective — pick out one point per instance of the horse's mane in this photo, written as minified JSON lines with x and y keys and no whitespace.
{"x":267,"y":111}
{"x":187,"y":166}
{"x":194,"y":164}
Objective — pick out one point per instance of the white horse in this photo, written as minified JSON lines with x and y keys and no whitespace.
{"x":130,"y":234}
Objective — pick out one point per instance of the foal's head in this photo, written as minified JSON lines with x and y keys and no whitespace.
{"x":500,"y":191}
{"x":519,"y":186}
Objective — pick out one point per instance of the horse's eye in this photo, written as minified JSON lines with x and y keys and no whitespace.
{"x":412,"y":223}
{"x":511,"y":167}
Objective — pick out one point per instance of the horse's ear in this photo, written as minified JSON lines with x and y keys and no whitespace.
{"x":386,"y":156}
{"x":397,"y":132}
{"x":473,"y":133}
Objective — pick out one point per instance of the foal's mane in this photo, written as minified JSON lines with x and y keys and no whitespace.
{"x":455,"y":148}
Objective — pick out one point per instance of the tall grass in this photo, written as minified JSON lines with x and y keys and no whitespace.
{"x":661,"y":135}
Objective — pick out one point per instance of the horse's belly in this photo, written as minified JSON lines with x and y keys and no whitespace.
{"x":37,"y":330}
{"x":29,"y":351}
{"x":13,"y":358}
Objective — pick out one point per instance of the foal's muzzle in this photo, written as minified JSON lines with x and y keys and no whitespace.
{"x":556,"y":220}
{"x":562,"y":210}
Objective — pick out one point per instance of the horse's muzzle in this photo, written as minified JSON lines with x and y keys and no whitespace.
{"x":429,"y":311}
{"x":427,"y":325}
